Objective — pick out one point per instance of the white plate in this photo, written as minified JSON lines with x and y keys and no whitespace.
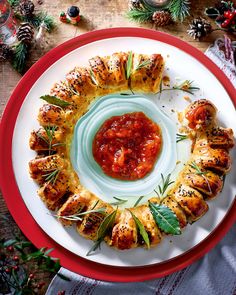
{"x":179,"y":65}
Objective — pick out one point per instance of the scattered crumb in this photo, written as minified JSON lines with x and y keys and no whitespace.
{"x":166,"y":81}
{"x":188,"y":99}
{"x":163,"y":106}
{"x":171,"y":241}
{"x":180,"y":116}
{"x":168,"y":55}
{"x":178,"y":162}
{"x":172,"y":110}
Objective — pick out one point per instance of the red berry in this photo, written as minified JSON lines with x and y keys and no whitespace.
{"x":16,"y":258}
{"x":231,"y":15}
{"x":227,"y":13}
{"x":40,"y":285}
{"x":7,"y":270}
{"x":31,"y":276}
{"x":10,"y":248}
{"x":225,"y":23}
{"x":61,"y":292}
{"x":16,"y":267}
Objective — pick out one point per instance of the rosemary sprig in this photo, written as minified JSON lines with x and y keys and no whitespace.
{"x":138,"y":201}
{"x":118,"y":201}
{"x":50,"y":131}
{"x":166,"y":182}
{"x":142,"y":64}
{"x":52,"y":176}
{"x":93,"y":77}
{"x":180,"y":137}
{"x":201,"y":173}
{"x":129,"y":65}
{"x":185,"y":86}
{"x":77,"y":216}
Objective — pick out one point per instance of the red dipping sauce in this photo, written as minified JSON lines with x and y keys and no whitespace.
{"x":126,"y":147}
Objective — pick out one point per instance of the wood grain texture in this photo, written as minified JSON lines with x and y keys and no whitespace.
{"x":97,"y":14}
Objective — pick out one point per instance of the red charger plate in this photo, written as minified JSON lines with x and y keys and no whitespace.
{"x":17,"y":206}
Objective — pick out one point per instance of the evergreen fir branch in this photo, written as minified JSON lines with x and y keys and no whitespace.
{"x":38,"y":19}
{"x":140,"y":15}
{"x":13,"y":3}
{"x":179,"y":9}
{"x":19,"y":57}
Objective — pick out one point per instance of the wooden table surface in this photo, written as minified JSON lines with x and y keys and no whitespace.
{"x":97,"y":14}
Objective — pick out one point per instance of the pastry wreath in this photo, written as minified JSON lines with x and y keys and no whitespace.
{"x":187,"y":198}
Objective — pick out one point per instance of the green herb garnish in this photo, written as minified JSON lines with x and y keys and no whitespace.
{"x":141,"y":229}
{"x":138,"y":201}
{"x":55,"y":100}
{"x":129,"y":65}
{"x":185,"y":86}
{"x":142,"y":64}
{"x":106,"y":224}
{"x":165,"y":218}
{"x":166,"y":182}
{"x":93,"y":77}
{"x":180,"y":137}
{"x":51,"y":177}
{"x":201,"y":173}
{"x":119,"y":201}
{"x":77,"y":216}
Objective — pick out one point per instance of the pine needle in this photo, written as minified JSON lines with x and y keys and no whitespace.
{"x":19,"y":57}
{"x":139,"y":15}
{"x":179,"y":9}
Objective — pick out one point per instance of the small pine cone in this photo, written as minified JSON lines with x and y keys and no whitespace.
{"x":25,"y":33}
{"x":135,"y":4}
{"x":26,"y":7}
{"x":5,"y":52}
{"x":199,"y":28}
{"x":161,"y":18}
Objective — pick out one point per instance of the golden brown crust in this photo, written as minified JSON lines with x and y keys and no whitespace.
{"x":147,"y":78}
{"x":124,"y":233}
{"x":191,"y":201}
{"x":186,"y":199}
{"x":208,"y":183}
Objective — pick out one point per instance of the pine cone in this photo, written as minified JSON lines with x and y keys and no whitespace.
{"x":25,"y":33}
{"x":5,"y":52}
{"x":26,"y":7}
{"x":199,"y":28}
{"x":161,"y":18}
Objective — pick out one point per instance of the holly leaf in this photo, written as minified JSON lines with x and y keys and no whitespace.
{"x":141,"y":230}
{"x":165,"y":218}
{"x":55,"y":100}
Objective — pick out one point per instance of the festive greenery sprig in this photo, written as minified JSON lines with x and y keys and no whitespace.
{"x":165,"y":183}
{"x":179,"y":9}
{"x":51,"y":177}
{"x":141,"y":229}
{"x":180,"y":137}
{"x":104,"y":227}
{"x":17,"y":275}
{"x":144,"y":12}
{"x":55,"y":100}
{"x":79,"y":216}
{"x":118,"y":201}
{"x":185,"y":86}
{"x":198,"y":171}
